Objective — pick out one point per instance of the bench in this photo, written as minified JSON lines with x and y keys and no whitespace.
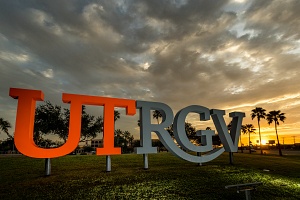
{"x":246,"y":187}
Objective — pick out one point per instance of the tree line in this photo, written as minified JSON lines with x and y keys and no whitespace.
{"x":52,"y":119}
{"x":275,"y":116}
{"x":260,"y":113}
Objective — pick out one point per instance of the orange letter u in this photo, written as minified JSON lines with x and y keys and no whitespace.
{"x":23,"y":136}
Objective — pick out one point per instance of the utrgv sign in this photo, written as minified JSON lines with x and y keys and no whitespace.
{"x":25,"y":121}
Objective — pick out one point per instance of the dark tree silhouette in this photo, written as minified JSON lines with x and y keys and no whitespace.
{"x":90,"y":125}
{"x":157,"y":115}
{"x":258,"y":113}
{"x":50,"y":119}
{"x":139,"y":123}
{"x":116,"y":115}
{"x":276,"y":116}
{"x":4,"y":126}
{"x":244,"y":131}
{"x":124,"y":139}
{"x":248,"y":129}
{"x":191,"y":133}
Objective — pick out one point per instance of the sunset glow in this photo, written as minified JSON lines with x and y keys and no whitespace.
{"x":231,"y":55}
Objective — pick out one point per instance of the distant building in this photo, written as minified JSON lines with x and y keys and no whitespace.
{"x":96,"y":143}
{"x":272,"y":142}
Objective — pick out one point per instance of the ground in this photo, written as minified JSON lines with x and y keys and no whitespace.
{"x":168,"y":177}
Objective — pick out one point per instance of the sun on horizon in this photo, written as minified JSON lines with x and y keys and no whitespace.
{"x":263,"y":142}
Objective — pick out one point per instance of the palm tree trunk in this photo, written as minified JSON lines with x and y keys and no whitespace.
{"x":241,"y":143}
{"x":279,"y":148}
{"x":249,"y":144}
{"x":261,"y":151}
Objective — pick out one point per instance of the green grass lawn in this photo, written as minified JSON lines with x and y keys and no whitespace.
{"x":168,"y":177}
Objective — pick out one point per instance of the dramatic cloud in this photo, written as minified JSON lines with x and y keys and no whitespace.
{"x":232,"y":55}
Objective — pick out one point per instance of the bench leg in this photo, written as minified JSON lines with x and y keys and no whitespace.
{"x":248,"y":194}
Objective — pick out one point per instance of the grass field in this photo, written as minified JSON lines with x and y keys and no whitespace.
{"x":168,"y":177}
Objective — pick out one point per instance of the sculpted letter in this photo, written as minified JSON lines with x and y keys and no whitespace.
{"x":180,"y":133}
{"x":230,"y":141}
{"x":25,"y":121}
{"x":146,"y":127}
{"x":108,"y":118}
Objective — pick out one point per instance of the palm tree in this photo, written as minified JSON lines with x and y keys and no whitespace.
{"x":248,"y":129}
{"x":259,"y":113}
{"x":4,"y":126}
{"x":244,"y":131}
{"x":276,"y":116}
{"x":139,"y":122}
{"x":157,"y":115}
{"x":118,"y":137}
{"x":130,"y":140}
{"x":116,"y":115}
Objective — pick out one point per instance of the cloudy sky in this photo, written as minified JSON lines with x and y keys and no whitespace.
{"x":231,"y":55}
